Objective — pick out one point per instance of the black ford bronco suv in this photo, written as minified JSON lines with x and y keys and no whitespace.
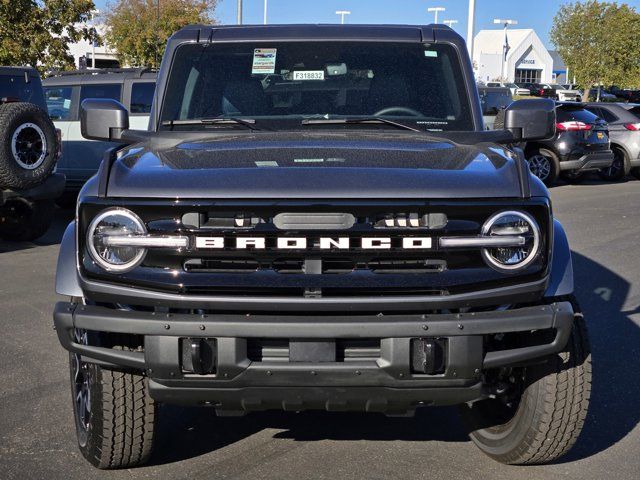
{"x":317,"y":219}
{"x":29,"y":150}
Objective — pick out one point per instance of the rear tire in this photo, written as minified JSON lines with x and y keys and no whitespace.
{"x":636,"y":172}
{"x":619,"y":168}
{"x":28,"y":222}
{"x":28,"y":145}
{"x":549,"y":415}
{"x":544,"y":165}
{"x":114,"y":415}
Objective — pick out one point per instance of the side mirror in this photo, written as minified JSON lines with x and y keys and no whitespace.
{"x":103,"y":119}
{"x":533,"y":119}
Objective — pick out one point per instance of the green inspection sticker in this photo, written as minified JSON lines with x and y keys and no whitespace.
{"x":430,"y":54}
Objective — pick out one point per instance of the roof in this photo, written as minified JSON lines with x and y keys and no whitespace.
{"x":492,"y":41}
{"x":106,"y":75}
{"x":355,"y":32}
{"x":19,"y":71}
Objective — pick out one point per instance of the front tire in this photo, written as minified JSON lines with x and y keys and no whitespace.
{"x":544,"y":165}
{"x":114,"y":414}
{"x":543,"y":422}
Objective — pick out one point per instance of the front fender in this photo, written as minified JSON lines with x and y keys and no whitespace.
{"x":66,"y":273}
{"x":561,"y":280}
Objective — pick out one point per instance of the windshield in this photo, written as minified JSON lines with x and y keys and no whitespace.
{"x":280,"y":84}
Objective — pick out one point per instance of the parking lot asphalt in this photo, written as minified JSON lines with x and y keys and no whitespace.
{"x":37,"y":439}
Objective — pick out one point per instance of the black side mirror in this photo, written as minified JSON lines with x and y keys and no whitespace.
{"x":533,"y":119}
{"x":103,"y":119}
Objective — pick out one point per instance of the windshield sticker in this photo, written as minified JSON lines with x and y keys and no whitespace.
{"x":264,"y":61}
{"x":309,"y":75}
{"x":266,"y":164}
{"x":431,"y":54}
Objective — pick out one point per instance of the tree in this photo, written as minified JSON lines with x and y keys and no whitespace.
{"x":38,"y":32}
{"x":599,"y":42}
{"x":139,"y":29}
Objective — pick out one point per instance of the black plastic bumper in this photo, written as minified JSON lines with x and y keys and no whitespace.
{"x":591,"y":161}
{"x":384,"y":384}
{"x":51,"y":188}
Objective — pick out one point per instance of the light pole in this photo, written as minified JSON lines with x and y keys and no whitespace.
{"x":450,"y":23}
{"x":265,"y":12}
{"x":471,"y":25}
{"x":342,"y":14}
{"x":505,"y":48}
{"x":93,"y":37}
{"x":239,"y":12}
{"x":435,"y":11}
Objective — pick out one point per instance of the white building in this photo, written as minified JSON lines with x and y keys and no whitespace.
{"x":527,"y":60}
{"x":83,"y":52}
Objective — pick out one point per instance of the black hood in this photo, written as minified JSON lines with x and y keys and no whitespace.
{"x":327,"y":165}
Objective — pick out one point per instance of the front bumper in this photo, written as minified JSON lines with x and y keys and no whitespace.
{"x":591,"y":161}
{"x":386,"y":383}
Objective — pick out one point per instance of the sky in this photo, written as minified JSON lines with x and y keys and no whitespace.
{"x":537,"y":14}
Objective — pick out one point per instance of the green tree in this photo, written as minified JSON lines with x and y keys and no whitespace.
{"x":38,"y":32}
{"x":138,"y":30}
{"x":599,"y":42}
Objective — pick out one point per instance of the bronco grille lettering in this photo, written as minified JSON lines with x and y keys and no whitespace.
{"x":321,"y":243}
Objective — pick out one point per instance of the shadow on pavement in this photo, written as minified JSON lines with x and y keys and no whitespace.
{"x":615,"y":398}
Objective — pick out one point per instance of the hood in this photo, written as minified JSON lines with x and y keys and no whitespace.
{"x":265,"y":165}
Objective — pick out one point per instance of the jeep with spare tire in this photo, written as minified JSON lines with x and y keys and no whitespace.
{"x":29,"y":150}
{"x":316,"y":218}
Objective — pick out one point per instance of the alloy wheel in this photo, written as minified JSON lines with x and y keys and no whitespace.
{"x":29,"y":146}
{"x":540,"y":166}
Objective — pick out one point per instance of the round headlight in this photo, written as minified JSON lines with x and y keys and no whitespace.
{"x":115,"y":222}
{"x":514,"y":225}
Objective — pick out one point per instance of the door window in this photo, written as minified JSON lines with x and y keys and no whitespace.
{"x":142,"y":97}
{"x":58,"y":102}
{"x":110,"y":90}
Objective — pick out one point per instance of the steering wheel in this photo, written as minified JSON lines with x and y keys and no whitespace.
{"x":390,"y":110}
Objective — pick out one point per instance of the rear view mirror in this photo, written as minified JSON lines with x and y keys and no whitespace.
{"x":533,"y":119}
{"x":103,"y":119}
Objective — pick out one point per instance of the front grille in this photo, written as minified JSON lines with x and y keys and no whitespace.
{"x":312,"y":271}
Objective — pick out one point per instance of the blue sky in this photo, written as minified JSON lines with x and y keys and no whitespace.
{"x":536,"y":14}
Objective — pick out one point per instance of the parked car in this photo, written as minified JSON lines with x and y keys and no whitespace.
{"x":29,"y":150}
{"x":65,"y":91}
{"x":513,"y":88}
{"x":523,"y":90}
{"x":624,"y":132}
{"x":581,"y":144}
{"x":493,"y":100}
{"x":557,"y":92}
{"x":346,"y":238}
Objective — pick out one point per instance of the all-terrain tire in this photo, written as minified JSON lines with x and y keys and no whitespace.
{"x":28,"y":145}
{"x":29,"y":221}
{"x":551,"y":411}
{"x":120,"y":424}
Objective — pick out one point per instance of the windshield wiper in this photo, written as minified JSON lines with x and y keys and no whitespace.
{"x":356,"y":121}
{"x":245,"y":122}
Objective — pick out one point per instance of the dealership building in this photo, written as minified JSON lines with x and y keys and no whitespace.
{"x":527,"y":60}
